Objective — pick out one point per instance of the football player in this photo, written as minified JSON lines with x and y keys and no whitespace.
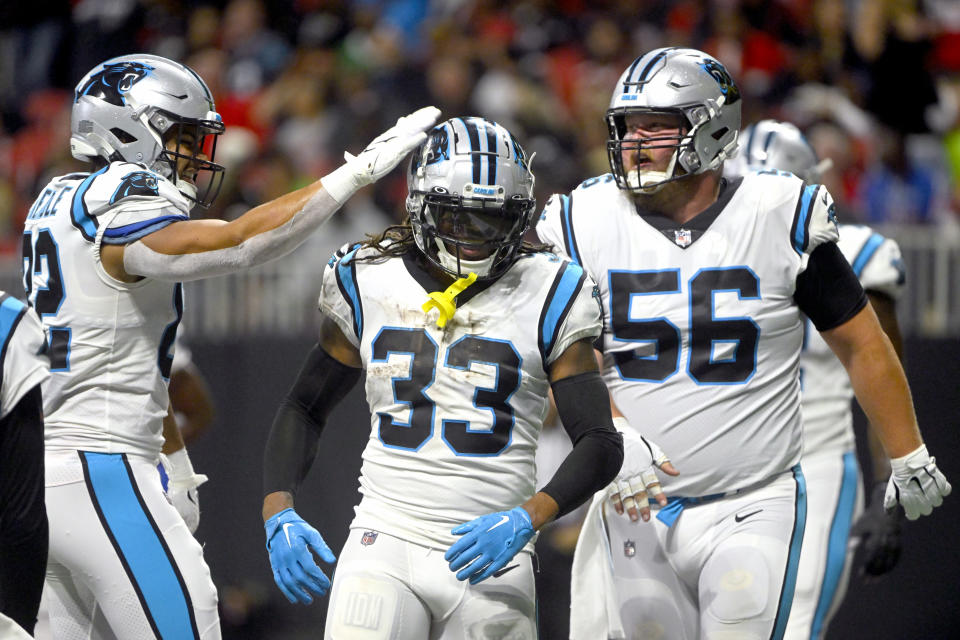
{"x":23,"y":517}
{"x":705,"y":284}
{"x":461,"y":328}
{"x":830,"y":468}
{"x":104,"y":256}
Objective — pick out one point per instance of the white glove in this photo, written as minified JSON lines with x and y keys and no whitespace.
{"x":182,"y":487}
{"x":916,"y":483}
{"x":637,"y":479}
{"x":381,"y":156}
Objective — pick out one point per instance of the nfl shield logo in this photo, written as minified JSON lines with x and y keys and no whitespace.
{"x":369,"y":537}
{"x":683,"y":237}
{"x":629,"y":548}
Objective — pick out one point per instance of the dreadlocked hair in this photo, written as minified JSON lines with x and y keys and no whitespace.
{"x":397,"y":239}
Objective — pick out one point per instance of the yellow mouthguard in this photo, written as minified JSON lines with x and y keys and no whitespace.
{"x":444,"y":301}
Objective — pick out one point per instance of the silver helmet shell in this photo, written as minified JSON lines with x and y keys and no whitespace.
{"x":687,"y":82}
{"x":470,"y":197}
{"x":775,"y":145}
{"x":128,"y":107}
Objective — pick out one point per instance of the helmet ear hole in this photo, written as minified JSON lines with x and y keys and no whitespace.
{"x":123,"y":136}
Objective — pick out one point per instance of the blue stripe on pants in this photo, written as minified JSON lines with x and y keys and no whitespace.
{"x":837,"y":543}
{"x":793,"y":557}
{"x":142,"y":551}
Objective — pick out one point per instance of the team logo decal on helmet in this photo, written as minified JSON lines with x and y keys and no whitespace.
{"x":438,"y":148}
{"x":113,"y":81}
{"x":138,"y":183}
{"x":719,"y":73}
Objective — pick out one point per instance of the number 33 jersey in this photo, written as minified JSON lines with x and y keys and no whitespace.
{"x":110,"y":342}
{"x":702,"y":335}
{"x":455,"y":411}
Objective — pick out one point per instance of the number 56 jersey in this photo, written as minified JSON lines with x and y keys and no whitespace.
{"x":455,"y":411}
{"x":702,"y":334}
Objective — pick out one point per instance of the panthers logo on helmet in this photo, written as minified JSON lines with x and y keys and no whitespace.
{"x":138,"y":183}
{"x":438,"y":147}
{"x":719,"y":73}
{"x":111,"y":82}
{"x":519,"y":154}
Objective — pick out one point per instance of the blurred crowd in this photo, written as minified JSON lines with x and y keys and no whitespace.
{"x":874,"y":83}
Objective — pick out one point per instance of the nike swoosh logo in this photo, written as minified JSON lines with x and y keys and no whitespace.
{"x":182,"y":96}
{"x":503,"y":519}
{"x":741,"y":518}
{"x":286,"y":532}
{"x":497,"y":574}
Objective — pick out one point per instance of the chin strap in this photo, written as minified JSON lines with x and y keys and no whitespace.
{"x":445,"y":301}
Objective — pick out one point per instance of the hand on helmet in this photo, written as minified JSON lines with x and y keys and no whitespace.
{"x":380,"y":156}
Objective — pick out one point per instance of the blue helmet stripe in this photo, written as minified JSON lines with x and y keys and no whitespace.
{"x":647,"y":69}
{"x":473,"y":139}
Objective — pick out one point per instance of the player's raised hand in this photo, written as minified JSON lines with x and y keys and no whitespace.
{"x":488,"y":543}
{"x":630,"y":492}
{"x":289,"y":542}
{"x":879,"y":531}
{"x":380,"y":156}
{"x":916,"y":483}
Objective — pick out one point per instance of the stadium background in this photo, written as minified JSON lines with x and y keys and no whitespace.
{"x":875,"y":83}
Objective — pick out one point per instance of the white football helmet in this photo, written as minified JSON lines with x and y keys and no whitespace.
{"x":675,"y":81}
{"x":470,"y":197}
{"x":128,"y":107}
{"x":770,"y":144}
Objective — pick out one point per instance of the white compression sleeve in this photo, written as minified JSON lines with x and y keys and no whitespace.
{"x":141,"y":260}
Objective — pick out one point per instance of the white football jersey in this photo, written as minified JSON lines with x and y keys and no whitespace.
{"x":455,"y":412}
{"x":826,"y":390}
{"x":701,"y":333}
{"x":23,"y":353}
{"x":110,"y":342}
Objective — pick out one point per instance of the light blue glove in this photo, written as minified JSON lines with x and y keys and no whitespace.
{"x":289,"y":540}
{"x":488,"y":543}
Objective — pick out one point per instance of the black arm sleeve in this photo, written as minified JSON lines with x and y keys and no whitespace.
{"x":23,"y":515}
{"x":584,"y":408}
{"x":828,"y":291}
{"x":292,"y":444}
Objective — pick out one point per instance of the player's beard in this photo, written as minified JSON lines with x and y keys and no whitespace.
{"x":665,"y":200}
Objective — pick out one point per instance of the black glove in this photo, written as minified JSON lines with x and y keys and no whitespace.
{"x":879,"y":531}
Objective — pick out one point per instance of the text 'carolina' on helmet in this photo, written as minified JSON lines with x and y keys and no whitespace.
{"x":128,"y":109}
{"x":686,"y":82}
{"x":775,"y":145}
{"x":470,"y":197}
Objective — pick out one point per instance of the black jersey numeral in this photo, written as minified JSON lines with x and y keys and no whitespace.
{"x":461,"y":436}
{"x":659,"y":359}
{"x":44,"y":254}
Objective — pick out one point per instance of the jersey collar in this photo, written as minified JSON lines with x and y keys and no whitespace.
{"x":430,"y":282}
{"x":689,"y":232}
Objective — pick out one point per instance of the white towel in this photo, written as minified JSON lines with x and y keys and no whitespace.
{"x":594,"y":606}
